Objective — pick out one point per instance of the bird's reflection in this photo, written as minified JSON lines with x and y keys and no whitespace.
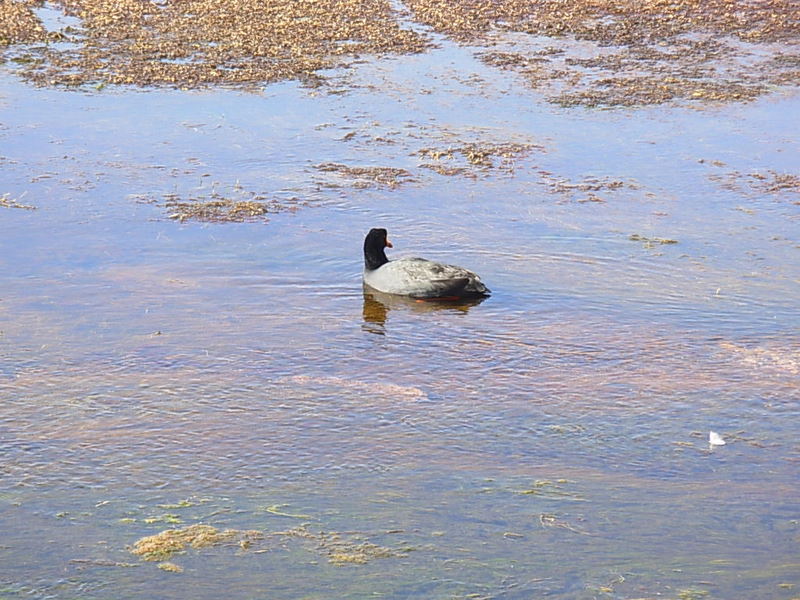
{"x":378,"y":305}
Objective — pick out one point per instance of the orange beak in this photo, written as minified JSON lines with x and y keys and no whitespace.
{"x":388,"y":243}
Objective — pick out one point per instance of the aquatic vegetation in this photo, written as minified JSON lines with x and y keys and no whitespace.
{"x":160,"y":546}
{"x":651,"y":242}
{"x":767,"y":181}
{"x":219,"y":203}
{"x":447,"y":171}
{"x":170,"y":519}
{"x":7,"y":201}
{"x":476,"y":157}
{"x":636,"y":91}
{"x":586,"y":190}
{"x":362,"y":177}
{"x":215,"y":208}
{"x":19,"y":24}
{"x":95,"y":562}
{"x":275,"y":509}
{"x":551,"y":520}
{"x":463,"y":158}
{"x":687,"y":50}
{"x":216,"y":211}
{"x":171,"y":541}
{"x":611,"y":22}
{"x":586,"y":367}
{"x":343,"y":549}
{"x":773,"y":182}
{"x":185,"y":503}
{"x":551,"y":490}
{"x":202,"y":42}
{"x":566,"y":428}
{"x":608,"y":587}
{"x":774,"y":358}
{"x":390,"y":391}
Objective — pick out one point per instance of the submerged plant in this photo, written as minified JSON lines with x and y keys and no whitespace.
{"x":342,"y":549}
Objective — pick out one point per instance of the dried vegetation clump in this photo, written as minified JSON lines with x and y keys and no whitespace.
{"x":647,"y":52}
{"x":198,"y":42}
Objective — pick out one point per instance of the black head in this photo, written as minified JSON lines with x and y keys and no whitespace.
{"x":374,"y":245}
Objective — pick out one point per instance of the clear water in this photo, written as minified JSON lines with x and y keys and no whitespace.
{"x":550,"y":441}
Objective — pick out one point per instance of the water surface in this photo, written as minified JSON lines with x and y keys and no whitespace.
{"x":550,"y":441}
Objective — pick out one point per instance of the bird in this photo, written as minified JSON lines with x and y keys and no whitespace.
{"x":715,"y":439}
{"x":416,"y":277}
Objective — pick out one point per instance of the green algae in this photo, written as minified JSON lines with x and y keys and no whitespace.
{"x":275,"y":509}
{"x":163,"y":545}
{"x":551,"y":490}
{"x":344,"y":548}
{"x":169,"y":518}
{"x":651,"y":242}
{"x":170,"y":567}
{"x":186,"y":503}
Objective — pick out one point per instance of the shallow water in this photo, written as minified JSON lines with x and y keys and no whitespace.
{"x":549,"y":441}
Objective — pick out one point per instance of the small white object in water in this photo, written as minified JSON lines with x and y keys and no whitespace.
{"x":715,"y":439}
